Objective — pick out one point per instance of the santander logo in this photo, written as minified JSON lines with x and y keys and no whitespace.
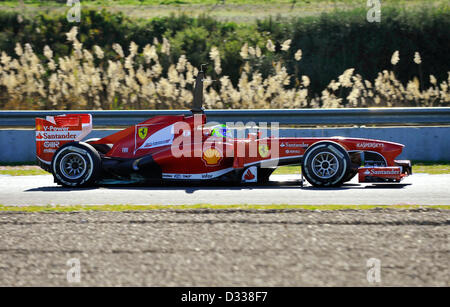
{"x":375,"y":172}
{"x":384,"y":172}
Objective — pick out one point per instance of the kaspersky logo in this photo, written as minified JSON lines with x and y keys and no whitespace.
{"x":369,"y":145}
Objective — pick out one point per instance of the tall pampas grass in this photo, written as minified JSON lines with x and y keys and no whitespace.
{"x":86,"y":80}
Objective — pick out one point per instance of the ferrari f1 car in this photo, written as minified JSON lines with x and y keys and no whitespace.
{"x":186,"y":148}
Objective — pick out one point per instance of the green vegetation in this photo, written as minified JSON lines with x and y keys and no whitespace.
{"x":331,"y":43}
{"x":431,"y":168}
{"x":195,"y":2}
{"x":124,"y":208}
{"x":23,"y":172}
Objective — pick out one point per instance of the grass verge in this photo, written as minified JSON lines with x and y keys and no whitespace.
{"x":123,"y":208}
{"x":23,"y":172}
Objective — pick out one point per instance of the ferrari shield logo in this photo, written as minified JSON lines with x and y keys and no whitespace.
{"x":142,"y":132}
{"x":263,"y":150}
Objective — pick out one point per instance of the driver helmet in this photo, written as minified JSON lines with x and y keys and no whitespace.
{"x":221,"y":131}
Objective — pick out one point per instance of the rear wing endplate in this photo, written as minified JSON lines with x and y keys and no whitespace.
{"x":55,"y":131}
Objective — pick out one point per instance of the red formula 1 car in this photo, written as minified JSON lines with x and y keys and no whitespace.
{"x":186,"y":148}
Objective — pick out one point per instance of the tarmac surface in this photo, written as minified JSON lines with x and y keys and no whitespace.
{"x":377,"y":247}
{"x":418,"y":189}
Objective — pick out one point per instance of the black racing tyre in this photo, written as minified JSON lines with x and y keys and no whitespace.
{"x":350,"y":175}
{"x":76,"y":164}
{"x":326,"y":164}
{"x":355,"y":163}
{"x":101,"y":148}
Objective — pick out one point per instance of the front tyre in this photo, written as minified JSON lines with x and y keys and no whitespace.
{"x":325,"y":164}
{"x":76,"y":164}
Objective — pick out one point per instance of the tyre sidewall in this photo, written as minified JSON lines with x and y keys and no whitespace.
{"x":100,"y":148}
{"x":91,"y":157}
{"x":341,"y":155}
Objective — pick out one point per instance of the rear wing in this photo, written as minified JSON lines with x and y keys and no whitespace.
{"x":55,"y":131}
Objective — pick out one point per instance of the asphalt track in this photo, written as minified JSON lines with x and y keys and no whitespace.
{"x":418,"y":189}
{"x":227,"y":248}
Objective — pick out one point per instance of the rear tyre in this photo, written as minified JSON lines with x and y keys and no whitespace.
{"x":76,"y":164}
{"x":101,"y":148}
{"x":326,"y":164}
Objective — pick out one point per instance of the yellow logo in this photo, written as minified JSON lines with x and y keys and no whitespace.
{"x":263,"y":150}
{"x":212,"y":156}
{"x":142,"y":132}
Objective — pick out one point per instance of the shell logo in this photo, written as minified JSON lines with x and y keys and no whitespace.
{"x":212,"y":156}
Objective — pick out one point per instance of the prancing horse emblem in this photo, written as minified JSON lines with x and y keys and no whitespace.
{"x":142,"y":132}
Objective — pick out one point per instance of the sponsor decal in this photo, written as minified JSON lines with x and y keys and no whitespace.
{"x":294,"y":145}
{"x":212,"y":156}
{"x":160,"y":138}
{"x":250,"y":174}
{"x":142,"y":132}
{"x":53,"y":128}
{"x":263,"y":150}
{"x":57,"y":135}
{"x":369,"y":145}
{"x":381,"y":172}
{"x":292,"y":151}
{"x":384,"y":172}
{"x":200,"y":176}
{"x":48,"y":144}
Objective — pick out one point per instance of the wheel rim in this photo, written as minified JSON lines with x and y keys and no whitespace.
{"x":325,"y":165}
{"x":73,"y":166}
